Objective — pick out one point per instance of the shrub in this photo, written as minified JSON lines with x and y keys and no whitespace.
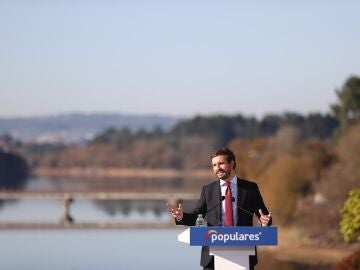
{"x":350,"y":222}
{"x":351,"y":262}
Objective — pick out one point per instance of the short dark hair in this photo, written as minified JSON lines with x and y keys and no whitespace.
{"x":224,"y":151}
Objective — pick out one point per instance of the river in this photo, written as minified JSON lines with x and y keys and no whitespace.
{"x":110,"y":249}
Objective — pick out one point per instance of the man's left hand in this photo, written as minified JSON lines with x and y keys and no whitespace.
{"x":264,"y":219}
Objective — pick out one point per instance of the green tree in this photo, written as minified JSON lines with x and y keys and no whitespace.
{"x":350,"y":221}
{"x":347,"y":110}
{"x":14,"y":170}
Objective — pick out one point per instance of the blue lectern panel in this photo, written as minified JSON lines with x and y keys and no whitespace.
{"x":233,"y":236}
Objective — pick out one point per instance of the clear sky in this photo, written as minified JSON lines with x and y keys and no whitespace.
{"x":175,"y":57}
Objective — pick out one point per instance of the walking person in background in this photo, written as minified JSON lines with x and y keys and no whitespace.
{"x":229,"y":201}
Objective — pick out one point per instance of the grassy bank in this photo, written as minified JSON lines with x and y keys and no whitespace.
{"x":295,"y":246}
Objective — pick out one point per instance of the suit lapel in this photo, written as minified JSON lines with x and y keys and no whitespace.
{"x":216,"y":199}
{"x":241,"y":195}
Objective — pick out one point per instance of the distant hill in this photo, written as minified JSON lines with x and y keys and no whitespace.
{"x":78,"y":127}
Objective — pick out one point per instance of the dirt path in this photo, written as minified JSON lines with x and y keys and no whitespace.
{"x":314,"y":255}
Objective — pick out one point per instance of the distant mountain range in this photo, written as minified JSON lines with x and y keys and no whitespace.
{"x":78,"y":127}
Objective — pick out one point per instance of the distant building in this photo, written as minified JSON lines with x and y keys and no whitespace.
{"x":51,"y":138}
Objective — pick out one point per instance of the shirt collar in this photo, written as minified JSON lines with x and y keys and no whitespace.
{"x":232,"y":181}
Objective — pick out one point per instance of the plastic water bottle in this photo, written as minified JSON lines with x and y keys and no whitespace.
{"x":200,"y":221}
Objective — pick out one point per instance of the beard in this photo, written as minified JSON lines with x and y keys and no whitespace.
{"x":221,"y":174}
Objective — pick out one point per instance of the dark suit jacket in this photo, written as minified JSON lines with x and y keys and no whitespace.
{"x":209,"y":205}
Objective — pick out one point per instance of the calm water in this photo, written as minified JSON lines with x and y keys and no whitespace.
{"x":101,"y":249}
{"x":96,"y":249}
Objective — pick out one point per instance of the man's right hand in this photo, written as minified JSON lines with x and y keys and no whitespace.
{"x":176,"y":212}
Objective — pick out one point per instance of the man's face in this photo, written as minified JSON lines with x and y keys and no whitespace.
{"x":222,"y":169}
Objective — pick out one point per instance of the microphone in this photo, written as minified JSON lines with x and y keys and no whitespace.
{"x":216,"y":205}
{"x":233,"y":200}
{"x":246,"y":211}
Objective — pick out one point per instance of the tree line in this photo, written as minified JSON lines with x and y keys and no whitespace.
{"x":189,"y":143}
{"x":186,"y":146}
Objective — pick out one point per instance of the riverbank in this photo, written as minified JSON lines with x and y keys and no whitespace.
{"x":295,"y":246}
{"x":119,"y":172}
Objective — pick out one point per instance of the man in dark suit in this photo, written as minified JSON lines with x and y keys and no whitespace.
{"x":229,"y":201}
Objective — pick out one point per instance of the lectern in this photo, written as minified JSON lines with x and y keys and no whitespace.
{"x":231,"y":246}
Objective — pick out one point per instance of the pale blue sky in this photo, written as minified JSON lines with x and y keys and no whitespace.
{"x":175,"y":57}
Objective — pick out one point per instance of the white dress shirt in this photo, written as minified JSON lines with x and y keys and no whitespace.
{"x":233,"y":187}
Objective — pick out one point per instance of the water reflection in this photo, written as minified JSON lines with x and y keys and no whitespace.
{"x":83,"y":210}
{"x":125,"y":207}
{"x":114,"y":209}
